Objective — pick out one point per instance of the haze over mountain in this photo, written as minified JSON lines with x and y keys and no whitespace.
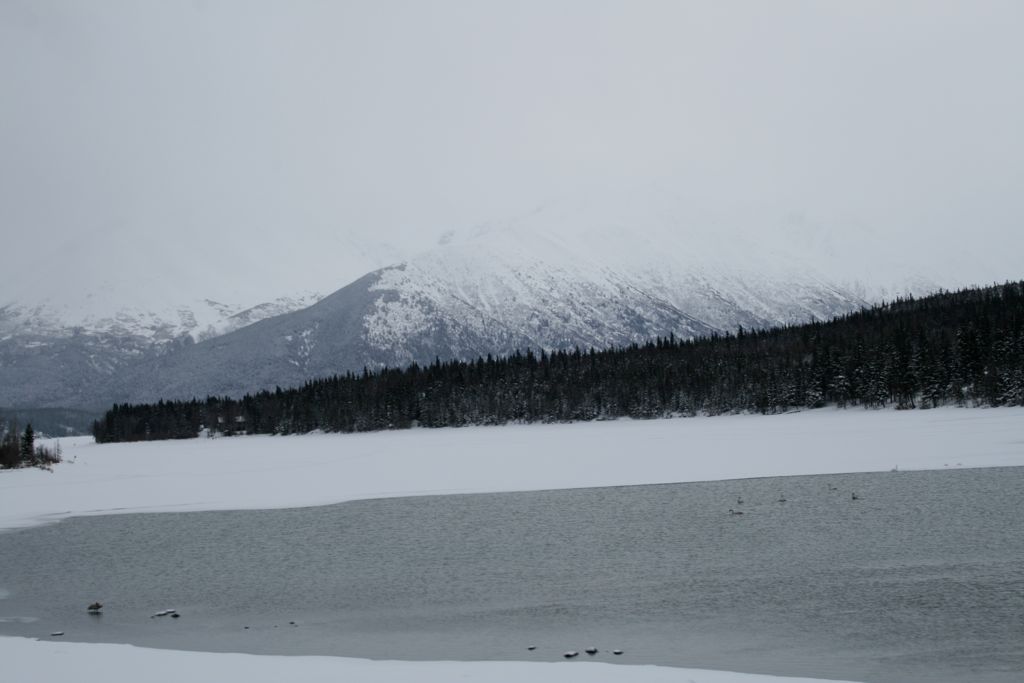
{"x":184,"y":284}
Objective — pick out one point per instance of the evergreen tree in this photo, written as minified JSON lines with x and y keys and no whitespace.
{"x":28,"y":444}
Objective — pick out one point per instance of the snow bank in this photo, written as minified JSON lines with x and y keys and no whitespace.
{"x":274,"y":472}
{"x":28,"y":660}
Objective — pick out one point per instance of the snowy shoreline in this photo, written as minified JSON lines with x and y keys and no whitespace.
{"x":296,"y":471}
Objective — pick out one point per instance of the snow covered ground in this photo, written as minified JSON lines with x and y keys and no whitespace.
{"x":260,"y":472}
{"x":44,"y":662}
{"x":275,"y":472}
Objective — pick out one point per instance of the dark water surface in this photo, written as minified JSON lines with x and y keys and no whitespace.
{"x":922,"y":579}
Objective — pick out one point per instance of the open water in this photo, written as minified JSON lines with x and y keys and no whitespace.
{"x":921,"y":579}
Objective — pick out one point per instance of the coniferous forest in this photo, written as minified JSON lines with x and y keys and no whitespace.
{"x":964,"y":348}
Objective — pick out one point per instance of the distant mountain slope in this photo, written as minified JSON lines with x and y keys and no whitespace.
{"x":48,"y":360}
{"x":70,"y":324}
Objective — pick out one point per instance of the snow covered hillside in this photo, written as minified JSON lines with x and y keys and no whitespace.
{"x":590,"y":273}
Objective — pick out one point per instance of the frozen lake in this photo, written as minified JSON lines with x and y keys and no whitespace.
{"x":921,"y":579}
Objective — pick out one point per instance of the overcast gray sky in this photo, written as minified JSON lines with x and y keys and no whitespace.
{"x":308,"y":126}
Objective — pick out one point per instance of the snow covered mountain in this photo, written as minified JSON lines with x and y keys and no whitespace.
{"x":414,"y":312}
{"x":582,"y":272}
{"x":555,"y":278}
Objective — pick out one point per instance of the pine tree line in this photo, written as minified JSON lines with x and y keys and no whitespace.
{"x":964,"y":348}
